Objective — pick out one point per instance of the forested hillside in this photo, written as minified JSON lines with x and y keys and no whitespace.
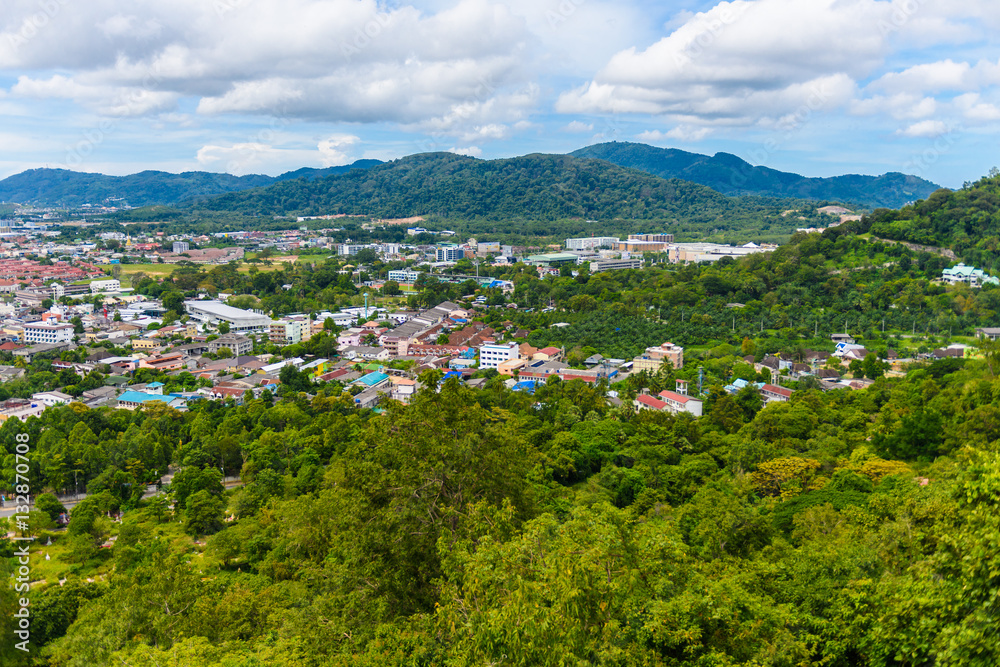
{"x":732,"y":175}
{"x":65,"y":188}
{"x":534,"y":187}
{"x":966,"y":220}
{"x":474,"y":528}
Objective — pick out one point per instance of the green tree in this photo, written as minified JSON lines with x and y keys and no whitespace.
{"x":204,"y":513}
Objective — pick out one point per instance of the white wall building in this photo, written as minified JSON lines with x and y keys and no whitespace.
{"x":110,"y":285}
{"x":215,"y":312}
{"x":591,"y":242}
{"x":492,"y":355}
{"x":48,"y":333}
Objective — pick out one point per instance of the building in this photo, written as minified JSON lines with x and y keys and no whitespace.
{"x":772,"y":393}
{"x":289,"y":332}
{"x":237,"y":344}
{"x":145,"y":344}
{"x":50,"y":398}
{"x":614,"y":265}
{"x":991,"y":333}
{"x":680,"y":401}
{"x":404,"y":275}
{"x":110,"y":285}
{"x":48,"y":333}
{"x":449,"y":253}
{"x":345,"y":249}
{"x":591,"y":243}
{"x":712,"y":252}
{"x":131,"y":400}
{"x":653,"y":358}
{"x":551,"y":259}
{"x":165,"y":362}
{"x":181,"y":246}
{"x":216,"y":312}
{"x":968,"y":274}
{"x":492,"y":355}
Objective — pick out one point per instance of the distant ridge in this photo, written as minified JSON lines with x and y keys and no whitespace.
{"x":731,"y":175}
{"x":532,"y":187}
{"x":62,"y":187}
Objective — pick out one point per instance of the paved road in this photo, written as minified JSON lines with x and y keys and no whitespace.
{"x":70,"y":501}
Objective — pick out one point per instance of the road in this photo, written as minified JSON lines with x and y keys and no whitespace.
{"x":70,"y":501}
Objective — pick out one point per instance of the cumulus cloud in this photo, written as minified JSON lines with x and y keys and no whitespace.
{"x":322,"y":60}
{"x":578,"y":126}
{"x":332,"y":149}
{"x":743,"y":61}
{"x":683,"y":133}
{"x":470,"y":151}
{"x":925,"y":128}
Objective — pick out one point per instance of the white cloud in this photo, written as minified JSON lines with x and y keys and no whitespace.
{"x":470,"y":151}
{"x":331,"y":149}
{"x":252,"y":157}
{"x":742,"y":62}
{"x":324,"y":60}
{"x":925,"y":128}
{"x":578,"y":126}
{"x":683,"y":133}
{"x":899,"y":106}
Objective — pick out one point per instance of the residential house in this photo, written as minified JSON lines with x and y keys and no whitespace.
{"x":773,"y":393}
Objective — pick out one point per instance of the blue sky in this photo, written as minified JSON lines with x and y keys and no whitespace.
{"x":819,"y":87}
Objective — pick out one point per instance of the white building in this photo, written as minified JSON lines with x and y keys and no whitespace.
{"x":50,"y":398}
{"x":216,"y":312}
{"x":404,"y":275}
{"x":110,"y":285}
{"x":449,"y":253}
{"x":38,"y":332}
{"x":181,"y":246}
{"x":492,"y":355}
{"x":592,"y":242}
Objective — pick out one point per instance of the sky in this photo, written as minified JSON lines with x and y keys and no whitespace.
{"x":817,"y":87}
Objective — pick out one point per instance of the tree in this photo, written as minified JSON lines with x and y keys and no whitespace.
{"x":391,"y":288}
{"x":872,"y":367}
{"x":173,"y":300}
{"x":205,"y":513}
{"x":48,"y":503}
{"x":223,"y":327}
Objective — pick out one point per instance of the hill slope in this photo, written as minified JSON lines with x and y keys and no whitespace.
{"x":61,"y":187}
{"x":731,"y":175}
{"x":966,"y":220}
{"x":541,"y":187}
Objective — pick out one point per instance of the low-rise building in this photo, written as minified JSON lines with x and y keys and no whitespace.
{"x":48,"y":333}
{"x":492,"y":355}
{"x":772,"y":393}
{"x":110,"y":285}
{"x":237,"y":344}
{"x":654,"y":357}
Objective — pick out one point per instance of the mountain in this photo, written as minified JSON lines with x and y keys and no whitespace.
{"x":64,"y":188}
{"x":540,"y":187}
{"x":732,"y":175}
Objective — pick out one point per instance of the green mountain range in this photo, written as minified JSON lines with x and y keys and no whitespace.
{"x":64,"y":188}
{"x":732,"y":175}
{"x":722,"y":172}
{"x":449,"y":186}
